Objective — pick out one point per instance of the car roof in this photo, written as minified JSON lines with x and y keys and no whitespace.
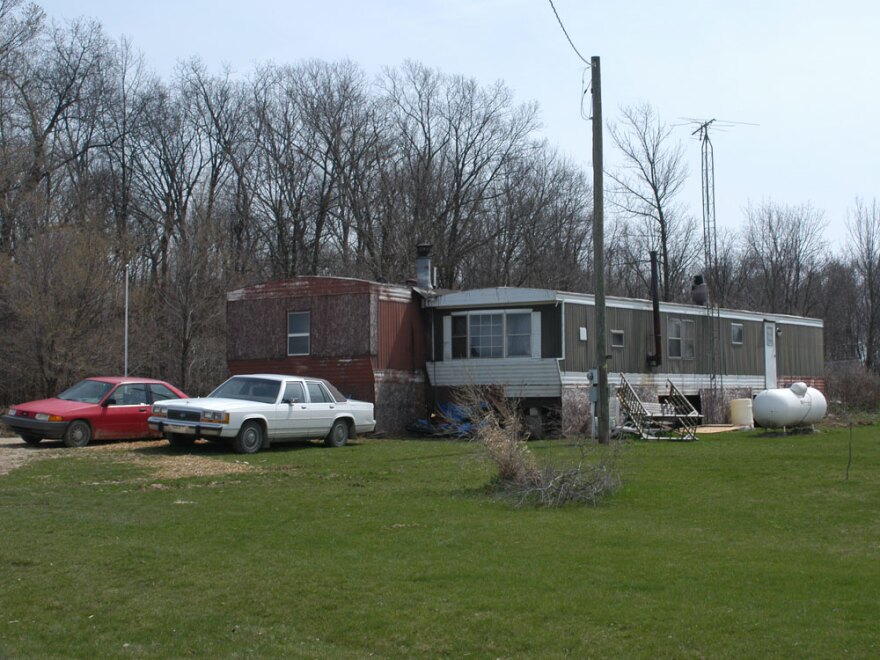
{"x":272,"y":376}
{"x":339,"y":396}
{"x":117,"y":380}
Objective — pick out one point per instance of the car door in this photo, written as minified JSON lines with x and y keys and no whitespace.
{"x":322,"y":408}
{"x":294,"y":417}
{"x":125,"y":413}
{"x":266,"y":397}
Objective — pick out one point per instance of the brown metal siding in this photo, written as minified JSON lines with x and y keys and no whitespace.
{"x":579,"y":355}
{"x":638,"y":329}
{"x":638,"y":338}
{"x":799,"y":352}
{"x":400,"y":336}
{"x":747,"y":358}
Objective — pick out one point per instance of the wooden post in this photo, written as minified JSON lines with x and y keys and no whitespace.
{"x":599,"y":253}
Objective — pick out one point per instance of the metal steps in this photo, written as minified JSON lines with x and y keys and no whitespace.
{"x":674,"y":419}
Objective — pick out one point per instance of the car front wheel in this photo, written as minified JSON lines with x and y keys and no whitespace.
{"x":78,"y":434}
{"x":249,"y":439}
{"x":31,"y":439}
{"x":338,"y":435}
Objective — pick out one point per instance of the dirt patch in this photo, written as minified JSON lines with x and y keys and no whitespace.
{"x":14,"y":453}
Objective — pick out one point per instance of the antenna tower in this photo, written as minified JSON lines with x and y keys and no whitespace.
{"x":710,"y":258}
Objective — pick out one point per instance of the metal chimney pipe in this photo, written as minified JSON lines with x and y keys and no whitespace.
{"x":424,"y":266}
{"x":657,"y":358}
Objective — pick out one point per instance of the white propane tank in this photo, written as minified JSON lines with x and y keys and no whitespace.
{"x":790,"y":406}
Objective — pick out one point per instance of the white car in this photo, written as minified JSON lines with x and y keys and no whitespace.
{"x":252,"y":411}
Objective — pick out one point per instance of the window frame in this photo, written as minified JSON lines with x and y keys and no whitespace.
{"x":742,"y":334}
{"x":617,"y":333}
{"x":291,"y":384}
{"x":156,"y":396}
{"x":119,"y":394}
{"x":319,"y":386}
{"x":682,"y":339}
{"x":300,"y":335}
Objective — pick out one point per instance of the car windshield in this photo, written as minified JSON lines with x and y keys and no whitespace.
{"x":86,"y":391}
{"x":248,"y":389}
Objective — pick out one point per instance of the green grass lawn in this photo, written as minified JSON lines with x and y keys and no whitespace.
{"x":738,"y":545}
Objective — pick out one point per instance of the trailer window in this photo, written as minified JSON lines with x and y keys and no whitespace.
{"x":736,"y":333}
{"x":298,"y":332}
{"x":491,"y":334}
{"x":681,"y":338}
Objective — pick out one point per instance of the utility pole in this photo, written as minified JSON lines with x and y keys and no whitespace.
{"x":125,"y":350}
{"x":599,"y":251}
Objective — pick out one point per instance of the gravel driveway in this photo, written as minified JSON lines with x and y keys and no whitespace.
{"x":201,"y":461}
{"x":15,"y":453}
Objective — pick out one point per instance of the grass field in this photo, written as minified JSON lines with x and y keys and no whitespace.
{"x":738,"y":545}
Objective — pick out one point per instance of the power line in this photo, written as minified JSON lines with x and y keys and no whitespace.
{"x":565,"y":32}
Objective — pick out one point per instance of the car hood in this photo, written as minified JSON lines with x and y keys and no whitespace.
{"x":55,"y":406}
{"x":213,"y":403}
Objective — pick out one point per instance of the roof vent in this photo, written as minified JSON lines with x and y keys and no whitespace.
{"x":699,"y":291}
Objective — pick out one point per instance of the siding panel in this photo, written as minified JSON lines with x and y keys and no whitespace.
{"x":400,"y":336}
{"x":520,"y":377}
{"x":799,"y":352}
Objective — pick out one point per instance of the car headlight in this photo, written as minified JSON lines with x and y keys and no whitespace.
{"x":159,"y":411}
{"x":45,"y":417}
{"x":11,"y":412}
{"x":215,"y":417}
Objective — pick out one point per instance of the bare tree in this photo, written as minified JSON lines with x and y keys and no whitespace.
{"x":864,"y":235}
{"x":846,"y":314}
{"x":537,"y":227}
{"x":785,"y":253}
{"x":645,"y":189}
{"x":454,"y":140}
{"x":61,"y":326}
{"x":48,"y":112}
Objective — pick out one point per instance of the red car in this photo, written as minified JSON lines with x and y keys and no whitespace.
{"x":113,"y":407}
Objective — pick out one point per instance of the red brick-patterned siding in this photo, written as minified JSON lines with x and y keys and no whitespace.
{"x":340,"y":325}
{"x":818,"y":383}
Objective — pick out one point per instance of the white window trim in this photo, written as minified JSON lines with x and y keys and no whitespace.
{"x":622,"y":338}
{"x":307,"y":335}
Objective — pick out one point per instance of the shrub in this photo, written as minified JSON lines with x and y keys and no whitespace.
{"x":499,"y":428}
{"x":849,"y":386}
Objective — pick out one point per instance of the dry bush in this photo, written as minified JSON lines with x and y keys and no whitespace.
{"x":849,"y":386}
{"x":498,"y":427}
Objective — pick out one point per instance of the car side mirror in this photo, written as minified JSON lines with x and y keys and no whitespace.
{"x":289,"y":402}
{"x":109,"y":402}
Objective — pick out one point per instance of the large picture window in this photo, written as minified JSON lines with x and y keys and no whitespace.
{"x":298,"y":332}
{"x":491,"y":335}
{"x":681,"y":338}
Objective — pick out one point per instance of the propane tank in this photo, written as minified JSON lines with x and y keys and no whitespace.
{"x":789,"y":406}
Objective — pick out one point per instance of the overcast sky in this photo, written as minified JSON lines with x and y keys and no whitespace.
{"x":806,"y":72}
